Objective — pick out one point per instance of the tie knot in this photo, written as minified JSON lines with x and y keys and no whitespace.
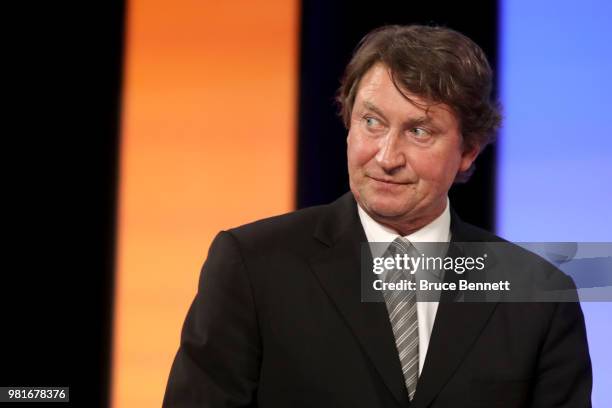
{"x":400,"y":245}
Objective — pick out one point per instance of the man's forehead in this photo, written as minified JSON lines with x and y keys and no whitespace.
{"x":373,"y":95}
{"x":379,"y":79}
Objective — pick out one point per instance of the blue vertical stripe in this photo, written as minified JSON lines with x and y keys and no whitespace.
{"x":555,"y":149}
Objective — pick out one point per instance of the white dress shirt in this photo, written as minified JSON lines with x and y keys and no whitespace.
{"x":436,"y":231}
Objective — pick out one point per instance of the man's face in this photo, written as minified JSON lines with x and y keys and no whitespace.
{"x":402,"y":158}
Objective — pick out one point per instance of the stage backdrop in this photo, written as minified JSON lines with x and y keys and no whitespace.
{"x":207,"y":143}
{"x":554,"y":167}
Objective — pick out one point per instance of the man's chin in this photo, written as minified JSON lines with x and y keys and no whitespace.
{"x":385,"y":211}
{"x":383,"y":206}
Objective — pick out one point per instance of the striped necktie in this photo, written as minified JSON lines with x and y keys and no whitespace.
{"x":401,"y":306}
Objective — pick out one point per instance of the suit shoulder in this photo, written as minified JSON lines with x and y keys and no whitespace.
{"x":517,"y":258}
{"x":465,"y":232}
{"x":280,"y":228}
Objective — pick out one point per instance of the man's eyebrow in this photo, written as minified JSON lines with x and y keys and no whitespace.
{"x":421,"y":120}
{"x":370,"y":106}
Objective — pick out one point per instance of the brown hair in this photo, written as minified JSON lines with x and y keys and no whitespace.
{"x":436,"y":63}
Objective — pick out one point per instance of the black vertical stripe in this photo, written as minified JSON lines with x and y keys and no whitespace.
{"x":62,"y":158}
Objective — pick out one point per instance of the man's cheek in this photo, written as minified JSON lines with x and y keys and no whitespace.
{"x":357,"y":160}
{"x":365,"y":152}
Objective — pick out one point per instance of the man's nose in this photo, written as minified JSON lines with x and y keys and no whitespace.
{"x":390,"y":154}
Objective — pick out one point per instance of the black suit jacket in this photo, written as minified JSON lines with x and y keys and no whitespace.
{"x":278,"y":322}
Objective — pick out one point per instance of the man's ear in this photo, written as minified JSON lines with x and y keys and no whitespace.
{"x":468,"y":156}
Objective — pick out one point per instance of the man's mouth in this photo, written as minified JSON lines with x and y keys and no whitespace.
{"x":386,"y":181}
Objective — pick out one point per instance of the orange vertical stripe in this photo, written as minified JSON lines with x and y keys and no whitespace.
{"x":208,"y":140}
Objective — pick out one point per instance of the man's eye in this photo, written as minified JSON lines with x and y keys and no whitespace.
{"x":420,"y":133}
{"x":372,"y":122}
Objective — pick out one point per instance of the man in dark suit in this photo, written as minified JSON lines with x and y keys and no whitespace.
{"x":279,"y":320}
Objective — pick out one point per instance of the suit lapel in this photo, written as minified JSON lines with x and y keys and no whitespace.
{"x":337,"y":268}
{"x":456,"y":328}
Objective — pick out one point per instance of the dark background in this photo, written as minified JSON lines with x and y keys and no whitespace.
{"x":61,"y":170}
{"x":61,"y":159}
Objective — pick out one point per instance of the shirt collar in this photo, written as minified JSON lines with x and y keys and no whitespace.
{"x":436,"y":231}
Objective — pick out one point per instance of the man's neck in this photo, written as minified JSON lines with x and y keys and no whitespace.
{"x":408,"y":227}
